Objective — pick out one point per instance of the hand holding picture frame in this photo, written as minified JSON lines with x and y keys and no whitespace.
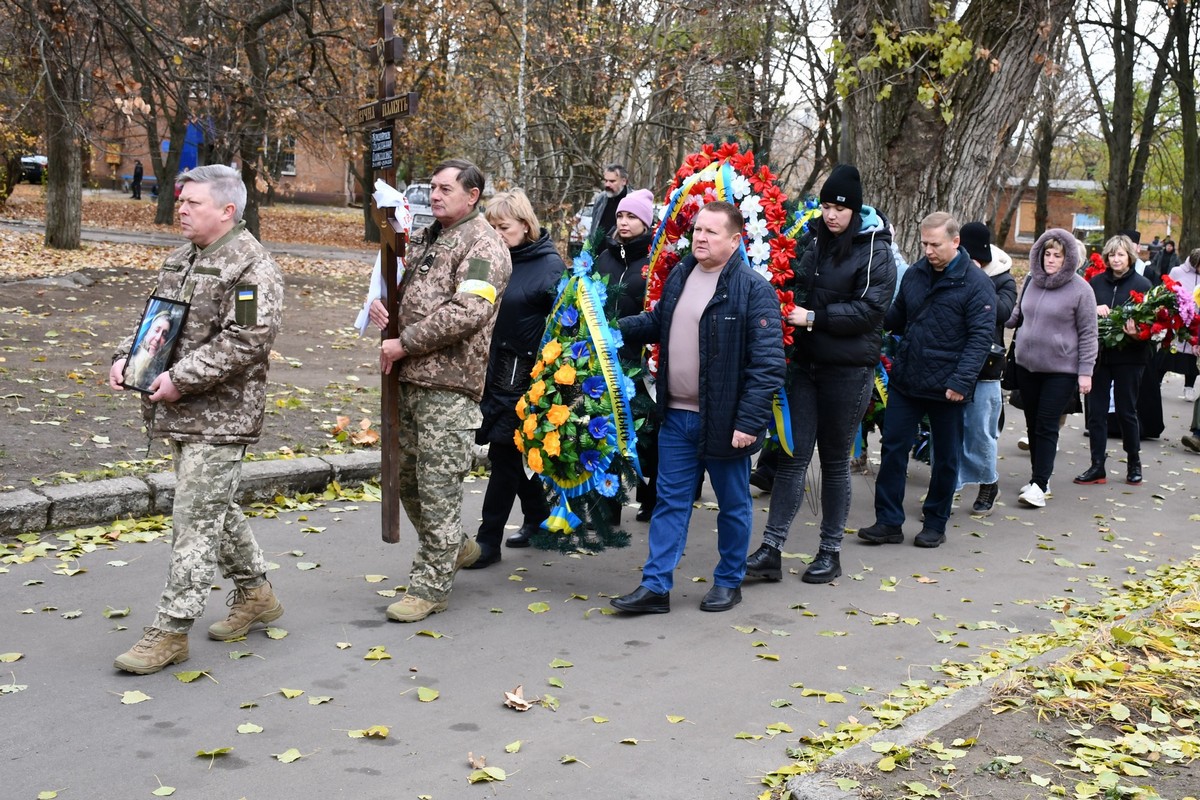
{"x":154,"y":342}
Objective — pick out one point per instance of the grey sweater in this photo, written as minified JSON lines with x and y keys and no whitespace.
{"x":1058,"y":328}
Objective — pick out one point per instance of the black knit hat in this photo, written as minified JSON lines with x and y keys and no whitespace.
{"x":976,"y":239}
{"x":843,"y":187}
{"x":1136,"y":236}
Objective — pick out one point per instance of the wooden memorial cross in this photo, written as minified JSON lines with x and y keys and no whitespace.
{"x":377,"y":116}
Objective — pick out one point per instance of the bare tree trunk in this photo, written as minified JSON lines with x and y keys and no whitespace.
{"x":1183,"y":19}
{"x":64,"y":187}
{"x":1044,"y":155}
{"x":909,"y":153}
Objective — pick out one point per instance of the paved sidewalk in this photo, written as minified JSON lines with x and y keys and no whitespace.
{"x":68,"y":730}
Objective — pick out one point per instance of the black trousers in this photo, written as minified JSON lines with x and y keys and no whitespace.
{"x":506,"y":484}
{"x":1125,"y":381}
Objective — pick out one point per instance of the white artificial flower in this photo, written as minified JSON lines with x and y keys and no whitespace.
{"x":751,"y":207}
{"x":758,"y":251}
{"x":682,"y":244}
{"x":756,"y":228}
{"x":739,"y":185}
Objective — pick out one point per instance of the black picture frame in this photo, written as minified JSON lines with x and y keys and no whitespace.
{"x":153,"y":344}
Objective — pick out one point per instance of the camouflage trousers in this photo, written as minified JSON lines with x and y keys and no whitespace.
{"x":437,"y":429}
{"x":209,"y":531}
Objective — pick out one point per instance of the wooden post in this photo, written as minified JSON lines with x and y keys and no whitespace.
{"x":377,"y":117}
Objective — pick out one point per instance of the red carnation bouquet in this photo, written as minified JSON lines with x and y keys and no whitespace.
{"x":1163,"y":315}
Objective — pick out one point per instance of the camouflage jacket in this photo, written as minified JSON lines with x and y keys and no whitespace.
{"x":453,"y":281}
{"x":235,"y":291}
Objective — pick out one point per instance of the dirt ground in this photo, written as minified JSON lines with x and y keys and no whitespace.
{"x":59,"y":421}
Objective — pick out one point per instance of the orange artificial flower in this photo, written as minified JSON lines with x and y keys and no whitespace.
{"x":530,"y":426}
{"x":551,"y":444}
{"x":537,"y":369}
{"x":551,"y":351}
{"x":522,"y":408}
{"x":536,"y":391}
{"x":565,"y":375}
{"x":558,"y":415}
{"x":518,"y":441}
{"x":534,"y":457}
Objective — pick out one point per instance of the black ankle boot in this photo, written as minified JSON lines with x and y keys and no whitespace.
{"x":1093,"y":474}
{"x":765,"y":562}
{"x":824,"y":568}
{"x":1133,"y":472}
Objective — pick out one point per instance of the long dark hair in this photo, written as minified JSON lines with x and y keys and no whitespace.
{"x":841,"y":246}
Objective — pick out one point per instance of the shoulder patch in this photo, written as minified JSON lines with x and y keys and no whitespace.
{"x":478,"y":269}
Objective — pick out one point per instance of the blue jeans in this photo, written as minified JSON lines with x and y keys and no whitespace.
{"x":827,"y":404}
{"x":981,"y":431}
{"x":900,"y":423}
{"x":1045,"y":396}
{"x":680,"y":468}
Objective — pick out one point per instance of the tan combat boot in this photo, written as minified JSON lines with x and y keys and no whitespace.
{"x":414,"y":609}
{"x":157,"y":649}
{"x":246,"y":607}
{"x":468,"y":554}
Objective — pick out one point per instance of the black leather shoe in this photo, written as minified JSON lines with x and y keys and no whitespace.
{"x":761,"y":482}
{"x":765,"y":562}
{"x":881,"y":534}
{"x":489,"y":555}
{"x":645,"y":513}
{"x":824,"y":568}
{"x":642,"y":601}
{"x":929,"y":538}
{"x":1092,"y":475}
{"x":521,"y":537}
{"x":1133,"y":473}
{"x":720,"y":598}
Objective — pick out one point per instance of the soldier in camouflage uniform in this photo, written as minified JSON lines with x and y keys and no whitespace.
{"x":209,"y":405}
{"x":456,"y":272}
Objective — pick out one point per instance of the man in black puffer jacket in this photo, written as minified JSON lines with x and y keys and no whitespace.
{"x":720,"y":363}
{"x":945,"y":315}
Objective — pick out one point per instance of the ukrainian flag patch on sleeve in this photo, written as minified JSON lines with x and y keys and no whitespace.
{"x":245,"y":310}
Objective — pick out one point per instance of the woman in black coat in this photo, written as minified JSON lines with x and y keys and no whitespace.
{"x":520,"y":323}
{"x":849,"y":276}
{"x":624,"y":262}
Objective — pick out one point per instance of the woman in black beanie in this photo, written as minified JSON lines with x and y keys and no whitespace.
{"x":848,"y":276}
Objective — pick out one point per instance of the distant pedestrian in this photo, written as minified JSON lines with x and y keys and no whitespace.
{"x":136,"y":184}
{"x":1056,"y":350}
{"x":1183,"y":358}
{"x":457,"y":270}
{"x":209,"y":404}
{"x":945,"y":316}
{"x":981,"y":416}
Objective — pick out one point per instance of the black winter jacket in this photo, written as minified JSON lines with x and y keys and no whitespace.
{"x":849,"y":299}
{"x":623,"y":263}
{"x":520,"y":323}
{"x":944,"y":341}
{"x":741,"y":353}
{"x":1112,"y":291}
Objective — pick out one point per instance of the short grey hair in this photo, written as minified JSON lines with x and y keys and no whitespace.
{"x":941,"y":219}
{"x":225,"y":184}
{"x":619,"y":169}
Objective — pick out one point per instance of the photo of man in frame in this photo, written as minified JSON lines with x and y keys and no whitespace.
{"x":156,"y":337}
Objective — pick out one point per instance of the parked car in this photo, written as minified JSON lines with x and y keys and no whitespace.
{"x":417,"y":195}
{"x":33,"y":168}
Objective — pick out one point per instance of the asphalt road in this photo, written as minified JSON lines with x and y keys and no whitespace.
{"x":69,"y":731}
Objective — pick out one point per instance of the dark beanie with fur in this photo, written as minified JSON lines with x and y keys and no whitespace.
{"x":976,"y":239}
{"x":843,"y":187}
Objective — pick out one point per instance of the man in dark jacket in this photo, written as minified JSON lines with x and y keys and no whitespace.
{"x":604,"y":210}
{"x":945,"y":315}
{"x":721,"y":363}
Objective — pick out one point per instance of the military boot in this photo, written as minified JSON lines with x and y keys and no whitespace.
{"x":246,"y":607}
{"x":157,"y":649}
{"x":414,"y":609}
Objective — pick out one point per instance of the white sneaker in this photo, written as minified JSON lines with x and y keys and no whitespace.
{"x":1032,"y":496}
{"x":1023,"y":443}
{"x":1189,"y":394}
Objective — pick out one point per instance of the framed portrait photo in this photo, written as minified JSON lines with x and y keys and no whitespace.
{"x":154,"y":342}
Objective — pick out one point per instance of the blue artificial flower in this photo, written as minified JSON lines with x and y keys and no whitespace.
{"x":580,"y":350}
{"x":569,"y":316}
{"x":628,"y":386}
{"x":608,"y":485}
{"x":595,"y":386}
{"x":598,"y":427}
{"x":590,"y":460}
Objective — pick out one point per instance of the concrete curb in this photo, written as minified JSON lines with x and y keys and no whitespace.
{"x":820,"y":785}
{"x":75,"y":505}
